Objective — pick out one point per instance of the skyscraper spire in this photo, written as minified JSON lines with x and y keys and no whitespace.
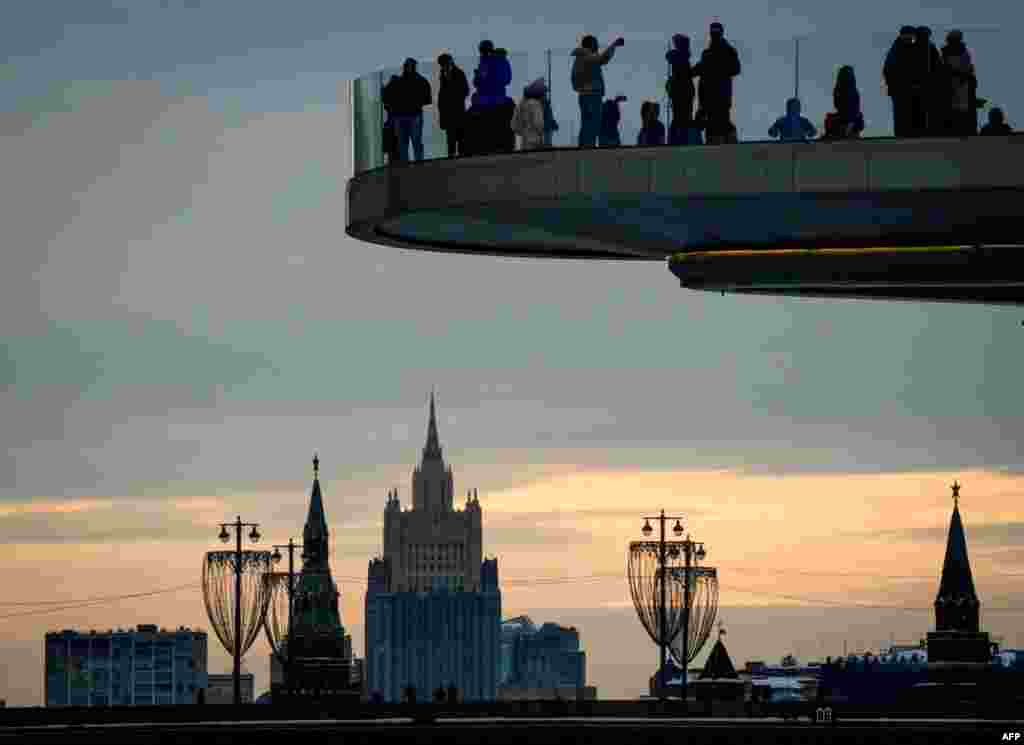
{"x":432,"y":450}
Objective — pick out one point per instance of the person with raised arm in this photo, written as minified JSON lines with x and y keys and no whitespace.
{"x":588,"y":81}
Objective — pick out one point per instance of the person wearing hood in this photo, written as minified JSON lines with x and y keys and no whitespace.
{"x":680,"y":89}
{"x":900,"y":73}
{"x":506,"y":108}
{"x":611,"y":115}
{"x":961,"y":93}
{"x":489,"y":116}
{"x":588,"y":81}
{"x":996,"y":123}
{"x":718,"y":65}
{"x":652,"y":131}
{"x":451,"y":104}
{"x":792,"y":127}
{"x":528,"y":121}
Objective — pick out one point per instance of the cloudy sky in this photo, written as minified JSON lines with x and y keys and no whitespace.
{"x":184,"y":321}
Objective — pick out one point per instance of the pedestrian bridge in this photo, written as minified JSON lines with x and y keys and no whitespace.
{"x":935,"y":219}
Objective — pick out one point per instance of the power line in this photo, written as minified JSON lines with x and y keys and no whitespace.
{"x":75,"y":605}
{"x":541,"y":581}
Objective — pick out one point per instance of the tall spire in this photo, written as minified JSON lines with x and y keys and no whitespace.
{"x":432,"y":450}
{"x":314,"y":535}
{"x":957,"y":605}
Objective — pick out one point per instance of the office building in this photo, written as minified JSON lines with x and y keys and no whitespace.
{"x":124,"y":667}
{"x":433,"y":606}
{"x":544,"y":662}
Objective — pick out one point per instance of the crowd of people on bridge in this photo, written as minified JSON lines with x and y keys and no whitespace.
{"x":934,"y":93}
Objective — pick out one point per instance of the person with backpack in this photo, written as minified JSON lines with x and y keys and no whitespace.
{"x":588,"y":81}
{"x":528,"y":122}
{"x":718,"y":65}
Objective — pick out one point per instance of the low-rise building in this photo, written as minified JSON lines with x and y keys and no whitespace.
{"x":144,"y":666}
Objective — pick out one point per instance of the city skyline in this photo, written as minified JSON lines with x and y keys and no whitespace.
{"x":184,"y":323}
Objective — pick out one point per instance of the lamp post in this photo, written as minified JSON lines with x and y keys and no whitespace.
{"x":276,"y":557}
{"x":254,"y":536}
{"x":662,"y":561}
{"x":693,"y":552}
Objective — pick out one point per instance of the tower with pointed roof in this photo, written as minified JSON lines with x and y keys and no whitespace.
{"x":433,"y":607}
{"x":321,"y":649}
{"x":957,"y":639}
{"x":433,"y":545}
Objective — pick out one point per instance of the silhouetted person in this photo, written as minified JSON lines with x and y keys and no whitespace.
{"x":410,"y":694}
{"x":929,"y":115}
{"x":528,"y":121}
{"x":408,"y":95}
{"x":901,"y":74}
{"x":453,"y":694}
{"x":792,"y":127}
{"x":507,"y":108}
{"x":652,"y":131}
{"x":996,"y":123}
{"x":390,"y":135}
{"x":451,"y":104}
{"x":376,"y":697}
{"x":718,"y":65}
{"x":963,"y":103}
{"x":489,"y":115}
{"x":849,"y":120}
{"x":439,"y":695}
{"x":588,"y":81}
{"x":611,"y":116}
{"x":681,"y":90}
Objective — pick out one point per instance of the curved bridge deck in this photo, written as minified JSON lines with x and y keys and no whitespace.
{"x":698,"y":204}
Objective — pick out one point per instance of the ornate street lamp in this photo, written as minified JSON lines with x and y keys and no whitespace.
{"x":218,"y":569}
{"x":685,"y":606}
{"x":275,"y":634}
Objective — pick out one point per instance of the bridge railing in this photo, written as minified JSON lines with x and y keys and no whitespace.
{"x":770,"y":75}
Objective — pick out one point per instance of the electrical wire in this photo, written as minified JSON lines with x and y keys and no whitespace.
{"x":56,"y":606}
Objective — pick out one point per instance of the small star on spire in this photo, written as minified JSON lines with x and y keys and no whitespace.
{"x":956,"y":493}
{"x":316,"y":465}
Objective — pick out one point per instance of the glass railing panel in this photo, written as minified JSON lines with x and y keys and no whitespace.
{"x":770,"y":75}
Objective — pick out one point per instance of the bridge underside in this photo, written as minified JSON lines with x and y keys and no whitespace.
{"x":937,"y":220}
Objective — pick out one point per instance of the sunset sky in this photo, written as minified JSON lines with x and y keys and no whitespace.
{"x":184,"y":322}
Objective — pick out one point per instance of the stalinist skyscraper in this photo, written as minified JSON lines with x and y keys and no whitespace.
{"x":433,"y":607}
